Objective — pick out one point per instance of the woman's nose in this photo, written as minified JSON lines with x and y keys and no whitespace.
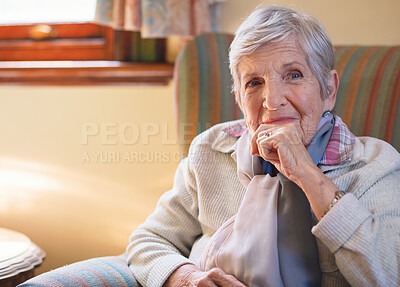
{"x":274,"y":95}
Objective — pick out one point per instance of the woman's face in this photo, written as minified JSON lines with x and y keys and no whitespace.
{"x":277,"y":87}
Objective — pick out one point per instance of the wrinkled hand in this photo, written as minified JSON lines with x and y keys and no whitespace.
{"x":284,"y":147}
{"x":189,"y":275}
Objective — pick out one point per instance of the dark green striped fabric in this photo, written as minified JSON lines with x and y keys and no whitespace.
{"x":367,"y":100}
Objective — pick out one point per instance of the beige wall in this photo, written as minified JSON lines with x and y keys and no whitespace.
{"x":75,"y":209}
{"x":367,"y":22}
{"x":78,"y":200}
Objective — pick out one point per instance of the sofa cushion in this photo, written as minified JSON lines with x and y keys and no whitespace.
{"x":369,"y":90}
{"x":98,"y":272}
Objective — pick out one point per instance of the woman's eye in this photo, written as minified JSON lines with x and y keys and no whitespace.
{"x":295,"y":75}
{"x":253,"y":83}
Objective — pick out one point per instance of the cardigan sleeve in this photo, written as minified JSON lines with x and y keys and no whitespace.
{"x":163,"y":242}
{"x":364,"y":234}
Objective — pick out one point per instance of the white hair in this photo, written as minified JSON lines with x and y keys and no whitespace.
{"x":268,"y":24}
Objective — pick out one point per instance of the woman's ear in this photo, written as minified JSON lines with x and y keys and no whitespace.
{"x":333,"y":85}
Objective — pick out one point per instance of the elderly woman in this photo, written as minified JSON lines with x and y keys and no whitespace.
{"x":287,"y":197}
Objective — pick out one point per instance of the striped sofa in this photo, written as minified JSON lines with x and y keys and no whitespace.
{"x":367,"y":100}
{"x":111,"y":271}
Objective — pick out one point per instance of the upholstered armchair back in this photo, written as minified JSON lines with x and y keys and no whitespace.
{"x":367,"y":100}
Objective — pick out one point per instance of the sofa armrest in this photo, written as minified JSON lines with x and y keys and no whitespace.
{"x":99,"y":272}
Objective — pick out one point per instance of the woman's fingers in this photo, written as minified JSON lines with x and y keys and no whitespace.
{"x":217,"y":277}
{"x":267,"y":150}
{"x":189,"y":275}
{"x":262,"y":132}
{"x":222,"y":279}
{"x":262,"y":141}
{"x":282,"y":146}
{"x":204,"y":282}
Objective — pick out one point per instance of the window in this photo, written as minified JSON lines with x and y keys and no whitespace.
{"x":45,"y":42}
{"x":46,"y":11}
{"x":68,"y":49}
{"x":52,"y":30}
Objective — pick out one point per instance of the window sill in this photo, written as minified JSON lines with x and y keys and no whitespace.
{"x":84,"y":73}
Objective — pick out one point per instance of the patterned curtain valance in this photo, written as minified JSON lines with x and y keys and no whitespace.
{"x":159,"y":18}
